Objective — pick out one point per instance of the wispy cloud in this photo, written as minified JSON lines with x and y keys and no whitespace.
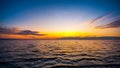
{"x":4,"y":30}
{"x":114,"y":24}
{"x":100,"y":18}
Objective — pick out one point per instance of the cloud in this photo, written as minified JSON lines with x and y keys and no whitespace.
{"x":4,"y":30}
{"x":114,"y":24}
{"x":29,"y":32}
{"x":99,"y":18}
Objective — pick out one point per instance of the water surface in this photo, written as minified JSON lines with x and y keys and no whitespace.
{"x":59,"y":53}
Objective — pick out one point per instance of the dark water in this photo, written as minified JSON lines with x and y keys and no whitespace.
{"x":59,"y":53}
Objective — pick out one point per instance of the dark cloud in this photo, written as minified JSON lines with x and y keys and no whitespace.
{"x":114,"y":24}
{"x":29,"y":32}
{"x":4,"y":30}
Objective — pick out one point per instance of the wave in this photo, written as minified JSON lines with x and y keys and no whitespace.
{"x":90,"y":66}
{"x":60,"y":54}
{"x":88,"y":59}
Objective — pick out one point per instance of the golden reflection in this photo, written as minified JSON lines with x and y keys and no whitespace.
{"x":72,"y":47}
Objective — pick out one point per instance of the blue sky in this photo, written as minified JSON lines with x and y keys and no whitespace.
{"x":15,"y":9}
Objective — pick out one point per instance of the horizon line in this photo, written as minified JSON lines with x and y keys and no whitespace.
{"x":67,"y":38}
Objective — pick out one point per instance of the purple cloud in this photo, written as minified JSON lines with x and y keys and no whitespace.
{"x":114,"y":24}
{"x":4,"y":30}
{"x":29,"y":32}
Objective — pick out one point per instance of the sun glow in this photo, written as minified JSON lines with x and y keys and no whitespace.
{"x":84,"y":30}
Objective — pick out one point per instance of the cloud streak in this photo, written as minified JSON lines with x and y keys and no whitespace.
{"x":114,"y":24}
{"x":99,"y":18}
{"x":4,"y":30}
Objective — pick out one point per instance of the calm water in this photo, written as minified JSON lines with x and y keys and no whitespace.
{"x":56,"y":53}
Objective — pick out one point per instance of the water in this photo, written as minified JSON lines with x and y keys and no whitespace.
{"x":59,"y":53}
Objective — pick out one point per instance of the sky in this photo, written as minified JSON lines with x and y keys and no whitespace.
{"x":59,"y":18}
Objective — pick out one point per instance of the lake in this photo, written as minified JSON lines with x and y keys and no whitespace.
{"x":59,"y":53}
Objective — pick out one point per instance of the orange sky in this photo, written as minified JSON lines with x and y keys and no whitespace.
{"x":85,"y":31}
